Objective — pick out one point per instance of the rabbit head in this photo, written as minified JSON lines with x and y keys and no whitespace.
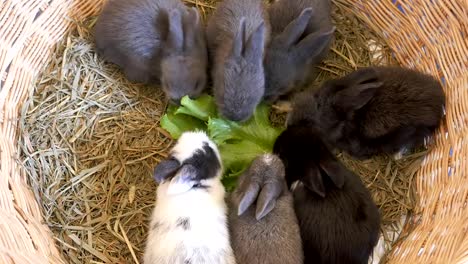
{"x":241,"y":77}
{"x":290,"y":54}
{"x":330,"y":108}
{"x":307,"y":159}
{"x":184,"y":55}
{"x":194,"y":163}
{"x":262,"y":182}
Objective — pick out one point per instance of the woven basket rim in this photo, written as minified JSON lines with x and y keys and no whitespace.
{"x":430,"y":36}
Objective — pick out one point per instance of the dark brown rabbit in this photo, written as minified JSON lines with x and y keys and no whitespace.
{"x":268,"y":232}
{"x":338,"y":219}
{"x":373,"y":110}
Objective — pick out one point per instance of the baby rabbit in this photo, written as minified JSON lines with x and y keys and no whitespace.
{"x":302,"y":32}
{"x":373,"y":110}
{"x":237,"y":33}
{"x":338,"y":219}
{"x":189,"y":223}
{"x":268,"y":232}
{"x":159,"y":41}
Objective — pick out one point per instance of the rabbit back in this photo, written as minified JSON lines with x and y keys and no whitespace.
{"x":407,"y":98}
{"x":273,"y":239}
{"x":405,"y":108}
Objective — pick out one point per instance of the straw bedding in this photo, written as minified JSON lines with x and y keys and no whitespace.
{"x":90,"y":139}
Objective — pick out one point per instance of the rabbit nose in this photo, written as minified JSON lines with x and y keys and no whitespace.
{"x":238,"y":118}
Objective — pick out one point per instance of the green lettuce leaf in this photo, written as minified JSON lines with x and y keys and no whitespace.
{"x":202,"y":108}
{"x":176,"y":124}
{"x":258,"y":129}
{"x":238,"y":143}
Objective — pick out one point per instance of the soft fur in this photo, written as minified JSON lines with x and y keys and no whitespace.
{"x":237,"y":33}
{"x":338,"y":219}
{"x":189,"y":222}
{"x":267,"y":233}
{"x":155,"y":41}
{"x":302,"y":32}
{"x":373,"y":110}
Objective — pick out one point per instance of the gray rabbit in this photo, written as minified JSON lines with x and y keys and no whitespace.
{"x":155,"y":41}
{"x":268,"y":232}
{"x":302,"y":32}
{"x":237,"y":33}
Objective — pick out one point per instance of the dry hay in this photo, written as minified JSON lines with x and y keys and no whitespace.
{"x":90,"y":140}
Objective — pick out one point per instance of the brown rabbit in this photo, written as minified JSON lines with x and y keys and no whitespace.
{"x":268,"y":232}
{"x":373,"y":110}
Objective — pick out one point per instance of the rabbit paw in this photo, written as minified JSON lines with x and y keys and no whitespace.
{"x":283,"y":106}
{"x":400,"y":154}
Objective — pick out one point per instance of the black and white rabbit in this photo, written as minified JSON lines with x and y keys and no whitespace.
{"x":237,"y":33}
{"x":262,"y":221}
{"x":373,"y":110}
{"x":338,"y":219}
{"x":301,"y":35}
{"x":189,"y":221}
{"x":155,"y":41}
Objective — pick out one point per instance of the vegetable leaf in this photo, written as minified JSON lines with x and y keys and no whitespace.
{"x":176,"y":124}
{"x":238,"y":143}
{"x":202,"y":108}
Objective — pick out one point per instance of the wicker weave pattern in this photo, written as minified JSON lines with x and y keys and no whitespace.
{"x":428,"y":35}
{"x":29,"y":30}
{"x":432,"y":37}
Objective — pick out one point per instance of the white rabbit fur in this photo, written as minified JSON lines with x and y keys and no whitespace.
{"x":189,"y":224}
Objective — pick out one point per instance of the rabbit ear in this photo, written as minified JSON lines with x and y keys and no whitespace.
{"x":184,"y":180}
{"x":354,"y":98}
{"x":165,"y":169}
{"x":175,"y":37}
{"x":335,"y":171}
{"x":191,"y":25}
{"x":293,"y":32}
{"x":238,"y":41}
{"x":362,"y":76}
{"x":314,"y":182}
{"x":256,"y":44}
{"x":267,"y":199}
{"x":314,"y":44}
{"x":248,"y":197}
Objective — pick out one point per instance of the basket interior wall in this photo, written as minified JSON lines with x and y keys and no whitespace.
{"x":427,"y":35}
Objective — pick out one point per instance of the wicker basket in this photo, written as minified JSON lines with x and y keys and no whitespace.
{"x":431,"y":36}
